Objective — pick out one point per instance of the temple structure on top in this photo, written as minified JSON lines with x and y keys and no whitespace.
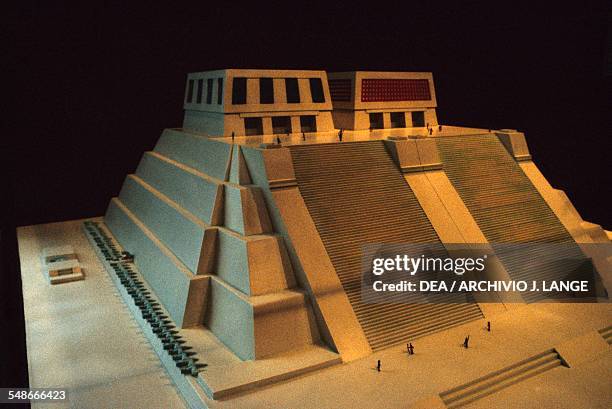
{"x":382,"y":100}
{"x":265,"y":102}
{"x":257,"y":102}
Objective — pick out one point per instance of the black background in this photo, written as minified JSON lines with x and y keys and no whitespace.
{"x":94,"y":87}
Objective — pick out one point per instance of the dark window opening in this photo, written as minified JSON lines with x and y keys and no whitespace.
{"x":418,"y":119}
{"x":316,"y":90}
{"x":209,"y":85}
{"x":266,"y":91}
{"x":398,"y":120}
{"x":376,"y":120}
{"x":253,"y":126}
{"x":281,"y":124}
{"x":200,"y":90}
{"x":293,"y":91}
{"x":239,"y":91}
{"x":190,"y":91}
{"x":219,"y":91}
{"x":308,"y":123}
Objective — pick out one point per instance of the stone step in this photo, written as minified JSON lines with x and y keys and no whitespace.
{"x":503,"y":378}
{"x":606,"y":333}
{"x":391,"y":325}
{"x":407,"y":336}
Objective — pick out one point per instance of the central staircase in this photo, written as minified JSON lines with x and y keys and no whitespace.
{"x":509,"y":209}
{"x":356,"y":195}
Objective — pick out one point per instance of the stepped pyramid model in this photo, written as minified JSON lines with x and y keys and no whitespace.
{"x":259,"y":242}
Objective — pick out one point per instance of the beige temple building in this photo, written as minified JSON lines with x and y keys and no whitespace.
{"x":247,"y":226}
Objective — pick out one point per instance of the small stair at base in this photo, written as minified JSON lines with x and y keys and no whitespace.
{"x":501,"y":379}
{"x":356,"y":195}
{"x":606,"y":333}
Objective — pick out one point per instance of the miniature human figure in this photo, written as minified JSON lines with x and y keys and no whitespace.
{"x":427,"y":125}
{"x":489,"y":326}
{"x":303,"y":136}
{"x":233,"y":135}
{"x":340,"y":132}
{"x":278,"y":141}
{"x":439,"y":128}
{"x":430,"y":131}
{"x":127,"y":256}
{"x":466,"y":342}
{"x":378,"y":366}
{"x":410,"y":349}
